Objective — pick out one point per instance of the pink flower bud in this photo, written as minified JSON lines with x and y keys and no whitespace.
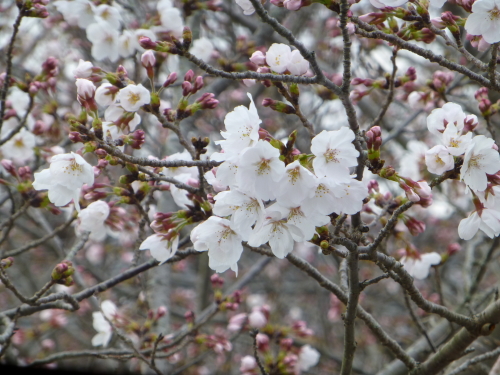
{"x":172,"y":77}
{"x":148,"y":59}
{"x":189,"y":76}
{"x":198,"y":84}
{"x":248,"y":363}
{"x":161,"y":311}
{"x":278,"y":3}
{"x":258,"y":58}
{"x":85,"y":88}
{"x":262,"y":342}
{"x":147,"y":43}
{"x":186,"y":88}
{"x":9,"y":167}
{"x":453,"y":248}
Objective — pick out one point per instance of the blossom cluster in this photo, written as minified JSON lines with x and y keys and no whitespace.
{"x":262,"y":199}
{"x":480,"y":164}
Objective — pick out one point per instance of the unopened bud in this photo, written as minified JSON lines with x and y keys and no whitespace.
{"x":187,"y":37}
{"x":6,"y":262}
{"x":172,"y":77}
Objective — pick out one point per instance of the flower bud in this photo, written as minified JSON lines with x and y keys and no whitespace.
{"x":278,"y":106}
{"x":6,"y":262}
{"x":147,"y":43}
{"x":172,"y":77}
{"x":187,"y":37}
{"x":198,"y":84}
{"x":148,"y":59}
{"x":9,"y":167}
{"x":258,"y":58}
{"x":189,"y":76}
{"x":186,"y":88}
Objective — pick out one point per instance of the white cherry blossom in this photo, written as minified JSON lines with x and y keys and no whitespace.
{"x":109,"y":15}
{"x":171,"y":21}
{"x":202,"y":48}
{"x":127,"y":43}
{"x":105,"y":94}
{"x":92,"y":218}
{"x":101,"y":325}
{"x":297,"y":216}
{"x":480,"y":159}
{"x":308,"y":357}
{"x":242,"y":129}
{"x":277,"y":232}
{"x":161,"y":247}
{"x":485,"y":20}
{"x":297,"y":184}
{"x":334,"y":153}
{"x":80,"y":12}
{"x":180,"y":195}
{"x":103,"y":328}
{"x":260,"y":170}
{"x":133,"y":97}
{"x":83,"y":70}
{"x":20,"y":146}
{"x":247,"y":7}
{"x":278,"y":57}
{"x":222,"y":242}
{"x":387,"y":3}
{"x":64,"y":178}
{"x":439,"y":160}
{"x":455,"y":143}
{"x":245,"y":210}
{"x":336,"y":196}
{"x":487,"y":219}
{"x":115,"y":113}
{"x":297,"y":65}
{"x":450,"y":113}
{"x":104,"y":41}
{"x":419,"y":268}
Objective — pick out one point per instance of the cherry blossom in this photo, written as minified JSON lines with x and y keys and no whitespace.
{"x":104,"y":41}
{"x":133,"y":97}
{"x":92,"y":218}
{"x":247,"y":7}
{"x":485,"y":20}
{"x":242,"y":129}
{"x":260,"y":170}
{"x":222,"y":242}
{"x":297,"y":216}
{"x":297,"y":184}
{"x":64,"y":178}
{"x":297,"y":64}
{"x":278,"y":57}
{"x":83,"y":70}
{"x":277,"y":232}
{"x":20,"y":146}
{"x":334,"y":153}
{"x":387,"y":3}
{"x":101,"y":325}
{"x":308,"y":357}
{"x":108,"y":15}
{"x":440,"y":117}
{"x":115,"y":113}
{"x":162,"y":247}
{"x":79,"y":12}
{"x":202,"y":48}
{"x":486,"y":219}
{"x":439,"y":160}
{"x":171,"y":21}
{"x":419,"y":267}
{"x":105,"y":94}
{"x":456,"y":144}
{"x":245,"y":210}
{"x":480,"y":159}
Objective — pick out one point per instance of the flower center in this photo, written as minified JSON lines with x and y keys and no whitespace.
{"x":133,"y":97}
{"x":439,"y":161}
{"x":294,"y":175}
{"x":474,"y":162}
{"x":19,"y":142}
{"x":454,"y":142}
{"x":73,"y":166}
{"x":331,"y":155}
{"x":494,"y":14}
{"x":225,"y":234}
{"x":277,"y":60}
{"x":264,"y":167}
